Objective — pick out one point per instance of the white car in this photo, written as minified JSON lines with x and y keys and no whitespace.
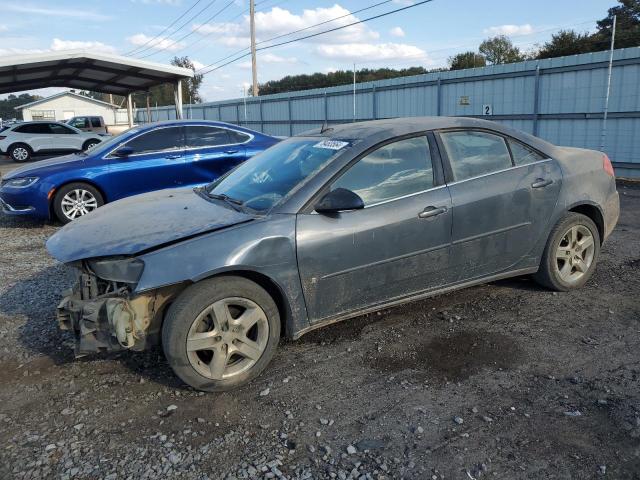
{"x":22,"y":140}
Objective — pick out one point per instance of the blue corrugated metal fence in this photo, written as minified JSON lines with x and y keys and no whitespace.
{"x":559,"y":99}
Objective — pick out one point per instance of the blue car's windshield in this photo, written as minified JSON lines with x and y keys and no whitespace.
{"x":264,"y":180}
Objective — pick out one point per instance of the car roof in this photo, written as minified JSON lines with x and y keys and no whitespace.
{"x":213,"y":123}
{"x":377,"y":130}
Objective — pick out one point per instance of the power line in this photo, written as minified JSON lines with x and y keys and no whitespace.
{"x":175,"y":42}
{"x":206,"y":7}
{"x":317,"y":34}
{"x":202,"y":37}
{"x":300,"y":30}
{"x":166,"y":28}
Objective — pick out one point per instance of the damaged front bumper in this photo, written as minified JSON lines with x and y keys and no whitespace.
{"x":112,"y":321}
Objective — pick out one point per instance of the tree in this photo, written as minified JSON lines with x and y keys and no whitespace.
{"x":466,"y":60}
{"x":627,"y":25}
{"x":292,"y":83}
{"x":498,"y":50}
{"x":566,"y":42}
{"x":163,"y":94}
{"x":7,"y":105}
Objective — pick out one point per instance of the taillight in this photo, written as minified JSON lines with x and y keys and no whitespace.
{"x":606,"y":165}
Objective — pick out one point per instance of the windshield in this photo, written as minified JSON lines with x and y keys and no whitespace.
{"x":115,"y":140}
{"x":261,"y":182}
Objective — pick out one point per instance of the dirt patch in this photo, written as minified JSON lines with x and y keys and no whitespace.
{"x":455,"y":357}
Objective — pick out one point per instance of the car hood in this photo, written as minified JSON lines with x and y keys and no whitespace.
{"x":141,"y":222}
{"x":36,"y":168}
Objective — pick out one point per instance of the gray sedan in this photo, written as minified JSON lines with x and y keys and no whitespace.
{"x":325,"y":226}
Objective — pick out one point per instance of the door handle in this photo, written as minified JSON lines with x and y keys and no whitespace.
{"x":541,"y":183}
{"x":172,"y":157}
{"x":432,"y":212}
{"x":231,"y":151}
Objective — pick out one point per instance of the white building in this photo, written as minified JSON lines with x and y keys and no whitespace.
{"x":62,"y":106}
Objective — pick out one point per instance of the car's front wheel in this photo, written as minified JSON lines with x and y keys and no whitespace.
{"x":221,"y":333}
{"x":75,"y":200}
{"x":571,"y":253}
{"x":90,"y":144}
{"x":20,"y":152}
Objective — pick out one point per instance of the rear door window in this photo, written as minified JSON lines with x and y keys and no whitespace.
{"x":238,"y":137}
{"x":96,"y":122}
{"x":197,"y":136}
{"x":523,"y":155}
{"x":159,"y":140}
{"x":474,"y":153}
{"x":58,"y":129}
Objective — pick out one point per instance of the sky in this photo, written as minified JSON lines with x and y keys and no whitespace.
{"x":426,"y":35}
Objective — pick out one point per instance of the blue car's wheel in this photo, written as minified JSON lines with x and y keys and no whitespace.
{"x":75,"y":200}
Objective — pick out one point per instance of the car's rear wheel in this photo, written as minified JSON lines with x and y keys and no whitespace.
{"x":75,"y":200}
{"x":20,"y":152}
{"x":221,"y":333}
{"x":571,"y":253}
{"x":89,"y":144}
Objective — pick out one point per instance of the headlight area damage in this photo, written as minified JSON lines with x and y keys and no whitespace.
{"x":102,"y":313}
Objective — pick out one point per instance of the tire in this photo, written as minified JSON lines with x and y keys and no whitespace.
{"x":90,"y":143}
{"x":20,"y":152}
{"x":576,"y":256}
{"x":187,"y":318}
{"x":87,"y":196}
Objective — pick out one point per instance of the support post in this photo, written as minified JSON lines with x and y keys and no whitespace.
{"x":130,"y":109}
{"x":374,"y":102}
{"x":326,"y":108}
{"x":261,"y":116}
{"x":439,"y":97}
{"x":149,"y":120}
{"x":177,"y":90}
{"x":603,"y":135}
{"x":536,"y":100}
{"x":290,"y":117}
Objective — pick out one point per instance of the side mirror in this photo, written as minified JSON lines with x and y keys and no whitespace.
{"x":339,"y":200}
{"x":123,"y":152}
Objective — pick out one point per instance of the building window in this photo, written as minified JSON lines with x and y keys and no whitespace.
{"x":43,"y":114}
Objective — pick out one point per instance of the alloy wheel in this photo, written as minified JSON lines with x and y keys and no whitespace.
{"x":20,"y":154}
{"x":574,"y":254}
{"x":227,"y":338}
{"x":77,"y":203}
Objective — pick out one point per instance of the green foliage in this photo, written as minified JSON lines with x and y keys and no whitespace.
{"x":8,"y":104}
{"x":163,"y":94}
{"x":292,"y":83}
{"x":466,"y":60}
{"x":566,"y":42}
{"x":498,"y":50}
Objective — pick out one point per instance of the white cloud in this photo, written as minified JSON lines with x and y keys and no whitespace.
{"x":368,"y":51}
{"x":160,"y":43}
{"x":197,"y":65}
{"x":3,"y":28}
{"x":58,"y":44}
{"x":269,"y":58}
{"x":77,"y":13}
{"x":397,"y":32}
{"x":173,"y":3}
{"x":404,"y":3}
{"x":279,"y":21}
{"x":509,"y":30}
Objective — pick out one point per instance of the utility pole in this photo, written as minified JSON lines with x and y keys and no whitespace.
{"x":354,"y":92}
{"x":606,"y":97}
{"x":254,"y":68}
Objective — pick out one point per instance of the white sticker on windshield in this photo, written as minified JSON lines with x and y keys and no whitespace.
{"x":331,"y":144}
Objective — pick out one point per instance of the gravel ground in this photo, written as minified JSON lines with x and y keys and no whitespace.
{"x":505,"y":380}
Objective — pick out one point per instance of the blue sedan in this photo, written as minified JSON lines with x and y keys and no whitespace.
{"x":142,"y":159}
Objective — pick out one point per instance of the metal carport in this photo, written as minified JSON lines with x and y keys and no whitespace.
{"x":87,"y":70}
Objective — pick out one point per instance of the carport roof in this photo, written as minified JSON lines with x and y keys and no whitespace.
{"x":85,"y":70}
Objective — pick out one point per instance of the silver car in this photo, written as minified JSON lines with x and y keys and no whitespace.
{"x":325,"y":226}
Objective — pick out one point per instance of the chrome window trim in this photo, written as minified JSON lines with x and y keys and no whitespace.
{"x":408,"y":195}
{"x":500,"y":171}
{"x":108,"y":155}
